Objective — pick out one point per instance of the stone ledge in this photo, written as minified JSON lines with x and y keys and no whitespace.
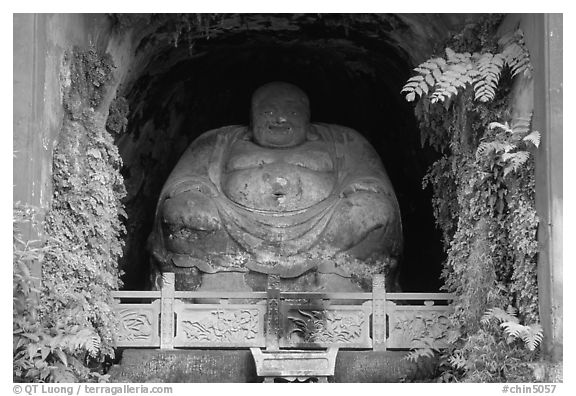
{"x":237,"y":366}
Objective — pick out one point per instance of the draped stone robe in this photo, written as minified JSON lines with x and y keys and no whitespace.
{"x":270,"y":237}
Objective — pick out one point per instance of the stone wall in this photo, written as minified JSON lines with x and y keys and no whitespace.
{"x":226,"y":366}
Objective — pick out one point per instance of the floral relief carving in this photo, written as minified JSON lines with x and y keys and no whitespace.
{"x":420,"y":329}
{"x":224,"y":326}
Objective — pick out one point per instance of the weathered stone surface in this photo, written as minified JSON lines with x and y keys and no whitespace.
{"x":237,"y":366}
{"x":283,"y":196}
{"x":384,"y":366}
{"x":185,"y":366}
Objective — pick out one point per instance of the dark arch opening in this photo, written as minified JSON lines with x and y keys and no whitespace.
{"x":351,"y":79}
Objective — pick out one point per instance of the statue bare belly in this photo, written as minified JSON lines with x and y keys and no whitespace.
{"x":278,"y":187}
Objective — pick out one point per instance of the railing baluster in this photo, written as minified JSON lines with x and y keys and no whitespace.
{"x":273,"y":313}
{"x":152,"y":332}
{"x":378,"y":313}
{"x":167,"y":311}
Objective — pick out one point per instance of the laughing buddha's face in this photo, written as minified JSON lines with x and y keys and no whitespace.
{"x":280,"y":115}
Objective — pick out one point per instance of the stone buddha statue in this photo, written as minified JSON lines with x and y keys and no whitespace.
{"x":309,"y":202}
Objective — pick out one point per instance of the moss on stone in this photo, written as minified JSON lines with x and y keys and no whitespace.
{"x":83,"y":224}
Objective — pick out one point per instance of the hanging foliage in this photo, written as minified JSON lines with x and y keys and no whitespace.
{"x":483,"y":195}
{"x":440,"y":78}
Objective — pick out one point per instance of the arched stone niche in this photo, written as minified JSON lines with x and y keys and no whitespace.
{"x":183,"y":82}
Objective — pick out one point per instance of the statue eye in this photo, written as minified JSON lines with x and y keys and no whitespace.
{"x":268,"y":112}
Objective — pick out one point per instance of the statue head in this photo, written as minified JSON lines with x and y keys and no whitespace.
{"x":280,"y":115}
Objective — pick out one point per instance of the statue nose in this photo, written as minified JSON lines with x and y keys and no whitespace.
{"x":282,"y":119}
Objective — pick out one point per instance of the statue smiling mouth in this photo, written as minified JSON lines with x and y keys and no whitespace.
{"x":280,"y":129}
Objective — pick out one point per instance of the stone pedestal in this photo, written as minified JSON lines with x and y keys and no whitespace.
{"x":237,"y":366}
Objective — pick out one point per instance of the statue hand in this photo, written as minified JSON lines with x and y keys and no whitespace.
{"x":196,"y":186}
{"x":364,"y":186}
{"x":192,"y":210}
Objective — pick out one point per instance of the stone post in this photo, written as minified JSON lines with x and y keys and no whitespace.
{"x":378,"y":313}
{"x":273,"y":313}
{"x":167,"y":311}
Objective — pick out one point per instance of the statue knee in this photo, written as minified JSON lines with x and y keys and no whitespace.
{"x":191,"y":210}
{"x":368,"y":211}
{"x":362,"y":216}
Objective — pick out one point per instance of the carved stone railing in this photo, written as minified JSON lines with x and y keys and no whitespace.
{"x":277,"y":320}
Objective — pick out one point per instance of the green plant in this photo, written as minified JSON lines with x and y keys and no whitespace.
{"x":440,"y":78}
{"x":117,"y":120}
{"x":483,"y":194}
{"x":42,"y":352}
{"x":530,"y":334}
{"x":83,"y":225}
{"x":500,"y":351}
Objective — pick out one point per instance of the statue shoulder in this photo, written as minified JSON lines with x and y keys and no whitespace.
{"x":207,"y":141}
{"x":338,"y":133}
{"x":350,"y":144}
{"x":230,"y":132}
{"x":204,"y":151}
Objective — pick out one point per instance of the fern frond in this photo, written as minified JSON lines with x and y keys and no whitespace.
{"x":412,"y":83}
{"x":515,"y":52}
{"x":459,"y":362}
{"x":410,"y":97}
{"x":532,"y":336}
{"x":416,"y":354}
{"x":429,"y":70}
{"x":85,"y":339}
{"x":453,"y":78}
{"x":500,"y":315}
{"x":489,"y":67}
{"x":533,"y":137}
{"x":504,"y":126}
{"x":513,"y":329}
{"x":516,"y":160}
{"x":485,"y":148}
{"x":429,"y":73}
{"x":441,"y":78}
{"x":413,"y":87}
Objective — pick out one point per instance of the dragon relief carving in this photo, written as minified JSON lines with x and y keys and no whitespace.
{"x":134,"y":326}
{"x":223,"y":326}
{"x":325,"y":326}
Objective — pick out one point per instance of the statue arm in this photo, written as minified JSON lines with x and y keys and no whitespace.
{"x":198,"y":166}
{"x":187,"y":198}
{"x":362,"y":168}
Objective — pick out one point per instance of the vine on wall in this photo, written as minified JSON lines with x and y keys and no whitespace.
{"x":483,"y":188}
{"x":79,"y":268}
